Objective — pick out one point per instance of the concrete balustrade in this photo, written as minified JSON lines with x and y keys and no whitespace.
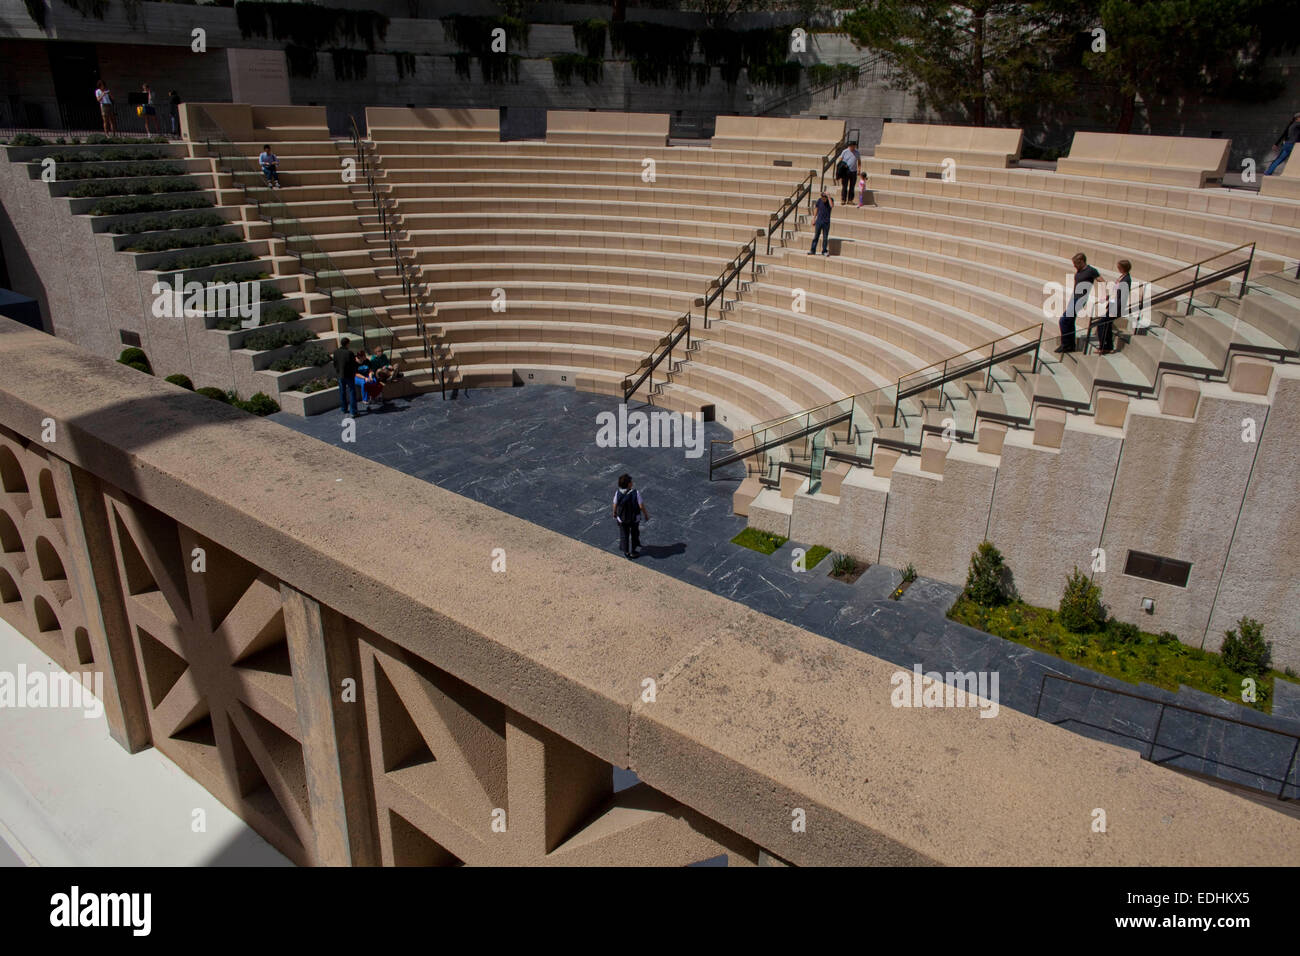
{"x":1175,"y":160}
{"x":966,"y":145}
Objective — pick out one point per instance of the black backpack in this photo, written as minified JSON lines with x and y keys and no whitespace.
{"x":626,"y":506}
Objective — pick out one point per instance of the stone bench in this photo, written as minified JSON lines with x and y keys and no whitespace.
{"x":787,"y":137}
{"x":1283,"y":185}
{"x":605,"y":128}
{"x":965,"y":145}
{"x":1166,"y":160}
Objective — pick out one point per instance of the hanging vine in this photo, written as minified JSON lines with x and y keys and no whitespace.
{"x":405,"y":64}
{"x":568,"y":65}
{"x":95,"y":8}
{"x":589,"y":35}
{"x":36,"y":10}
{"x":302,"y":61}
{"x":349,"y":64}
{"x":309,"y":24}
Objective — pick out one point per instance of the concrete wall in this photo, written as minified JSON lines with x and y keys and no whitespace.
{"x":1187,"y":488}
{"x":89,"y":292}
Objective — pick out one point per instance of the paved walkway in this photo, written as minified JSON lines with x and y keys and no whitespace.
{"x":532,"y":452}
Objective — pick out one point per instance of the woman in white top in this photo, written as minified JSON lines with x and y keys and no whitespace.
{"x":105,"y":100}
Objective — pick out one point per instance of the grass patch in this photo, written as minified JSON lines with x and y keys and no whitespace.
{"x":1117,"y":650}
{"x":760,"y":541}
{"x":814,"y":556}
{"x":846,"y":568}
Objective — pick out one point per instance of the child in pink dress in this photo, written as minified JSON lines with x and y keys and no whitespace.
{"x":862,"y":187}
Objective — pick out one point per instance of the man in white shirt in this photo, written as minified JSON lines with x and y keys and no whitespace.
{"x":849,"y":166}
{"x":105,"y":101}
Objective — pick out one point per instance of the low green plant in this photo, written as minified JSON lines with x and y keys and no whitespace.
{"x":1121,"y":632}
{"x":275,"y":315}
{"x":1081,"y":611}
{"x":761,"y":541}
{"x":309,"y":355}
{"x":317,"y":384}
{"x":842,"y":565}
{"x":27,"y":139}
{"x":909,"y":573}
{"x":216,"y":394}
{"x":814,"y":556}
{"x":182,"y":380}
{"x":136,"y":359}
{"x":271,"y":292}
{"x":1245,"y":650}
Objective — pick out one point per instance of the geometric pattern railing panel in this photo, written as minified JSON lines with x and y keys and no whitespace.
{"x":460,"y":778}
{"x":38,"y":590}
{"x":209,"y":637}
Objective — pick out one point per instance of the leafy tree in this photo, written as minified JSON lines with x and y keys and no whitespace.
{"x":1081,"y":611}
{"x":1159,"y":49}
{"x":991,"y":60}
{"x":988,"y":582}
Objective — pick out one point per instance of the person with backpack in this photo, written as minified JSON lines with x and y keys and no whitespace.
{"x":628,"y":510}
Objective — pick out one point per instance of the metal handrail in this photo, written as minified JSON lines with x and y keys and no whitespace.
{"x":1155,"y":735}
{"x":747,"y":256}
{"x":223,"y":150}
{"x":950,"y":372}
{"x":416,"y":302}
{"x":663,"y":350}
{"x":1187,"y":288}
{"x":777,"y":220}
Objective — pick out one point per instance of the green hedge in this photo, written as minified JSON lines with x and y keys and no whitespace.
{"x":212,"y":237}
{"x":124,"y":205}
{"x":309,"y":355}
{"x":317,"y":384}
{"x":198,"y":260}
{"x":121,"y":155}
{"x":193,"y":220}
{"x":275,"y":315}
{"x":182,"y":380}
{"x":264,"y":340}
{"x":69,"y":170}
{"x":140,"y":187}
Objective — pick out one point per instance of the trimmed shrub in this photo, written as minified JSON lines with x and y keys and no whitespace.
{"x":260,"y":404}
{"x":988,"y":582}
{"x":1245,"y":650}
{"x":271,"y":292}
{"x":136,"y":359}
{"x":27,"y":139}
{"x":215,"y":394}
{"x":182,"y":380}
{"x":1081,"y":611}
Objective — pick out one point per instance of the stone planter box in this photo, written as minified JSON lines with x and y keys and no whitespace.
{"x":101,"y":223}
{"x":202,"y":183}
{"x":296,"y":403}
{"x":82,"y":206}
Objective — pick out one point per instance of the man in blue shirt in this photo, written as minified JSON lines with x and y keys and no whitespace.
{"x":1285,"y":143}
{"x":822,"y":224}
{"x":269,"y":163}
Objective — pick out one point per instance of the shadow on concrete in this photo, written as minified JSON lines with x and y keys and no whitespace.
{"x":661,"y":551}
{"x":247,"y":849}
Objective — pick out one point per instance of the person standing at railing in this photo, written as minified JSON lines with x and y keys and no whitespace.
{"x":150,"y":111}
{"x":345,"y":364}
{"x":1116,"y":307}
{"x":1084,"y":277}
{"x":174,"y":103}
{"x":270,"y":162}
{"x":822,"y":224}
{"x":1285,"y":143}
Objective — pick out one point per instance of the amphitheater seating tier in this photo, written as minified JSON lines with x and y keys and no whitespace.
{"x":965,"y":145}
{"x":1172,"y":160}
